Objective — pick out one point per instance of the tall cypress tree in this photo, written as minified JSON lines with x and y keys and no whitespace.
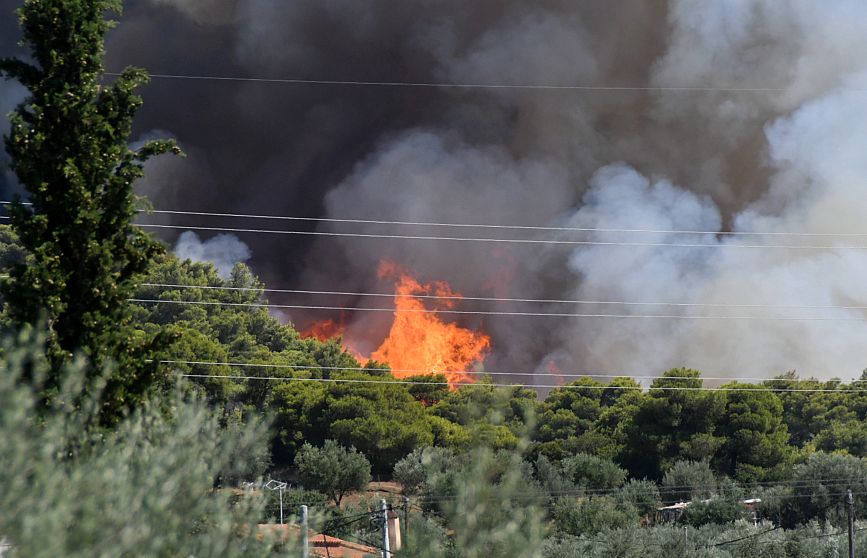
{"x":69,"y":145}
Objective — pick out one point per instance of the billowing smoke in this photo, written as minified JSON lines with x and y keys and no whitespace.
{"x":223,"y":250}
{"x":736,"y":117}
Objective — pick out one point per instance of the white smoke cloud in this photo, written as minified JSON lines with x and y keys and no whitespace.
{"x":223,"y":250}
{"x":818,"y":186}
{"x":787,"y":159}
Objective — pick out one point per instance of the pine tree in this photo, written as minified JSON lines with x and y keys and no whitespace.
{"x":69,"y":145}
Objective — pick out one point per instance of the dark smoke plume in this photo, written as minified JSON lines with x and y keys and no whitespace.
{"x":681,"y":150}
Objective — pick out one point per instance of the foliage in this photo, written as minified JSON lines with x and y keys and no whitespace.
{"x":488,"y":404}
{"x":737,"y":540}
{"x":714,"y":511}
{"x":588,"y":516}
{"x":489,"y":506}
{"x":591,"y":472}
{"x":11,"y":251}
{"x":675,"y":421}
{"x":817,"y":489}
{"x":688,"y":480}
{"x":145,"y":488}
{"x":643,"y":495}
{"x":293,"y":499}
{"x":381,"y":420}
{"x":428,"y":390}
{"x":69,"y":149}
{"x":553,"y":479}
{"x":413,"y":470}
{"x":332,"y":469}
{"x":243,"y":463}
{"x":585,"y":416}
{"x":753,"y":433}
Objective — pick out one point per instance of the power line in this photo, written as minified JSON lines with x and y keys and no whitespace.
{"x":510,"y":240}
{"x":489,"y":225}
{"x":833,"y":484}
{"x":498,"y":226}
{"x":505,"y":240}
{"x":837,"y":534}
{"x":492,"y":312}
{"x":501,"y":299}
{"x":444,"y":85}
{"x":754,"y":535}
{"x":423,"y":371}
{"x":513,"y":385}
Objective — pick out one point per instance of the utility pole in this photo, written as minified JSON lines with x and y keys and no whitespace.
{"x":850,"y":500}
{"x":279,"y":486}
{"x":405,"y":519}
{"x":305,"y":544}
{"x":386,"y":553}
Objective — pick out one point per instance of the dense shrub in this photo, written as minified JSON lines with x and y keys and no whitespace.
{"x":145,"y":488}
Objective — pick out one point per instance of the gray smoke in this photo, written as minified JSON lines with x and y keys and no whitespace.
{"x":223,"y":250}
{"x":783,"y":154}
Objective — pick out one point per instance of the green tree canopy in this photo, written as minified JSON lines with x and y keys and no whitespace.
{"x":414,"y":470}
{"x":688,"y":480}
{"x":332,"y":469}
{"x":588,"y":516}
{"x":753,"y":433}
{"x":817,"y":489}
{"x":591,"y":472}
{"x":676,"y":420}
{"x":69,"y":148}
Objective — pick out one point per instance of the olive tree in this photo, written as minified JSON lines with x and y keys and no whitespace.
{"x":332,"y":469}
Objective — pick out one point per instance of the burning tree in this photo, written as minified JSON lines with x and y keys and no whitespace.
{"x":419,"y":342}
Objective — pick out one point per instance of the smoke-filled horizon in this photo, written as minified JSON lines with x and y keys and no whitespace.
{"x":789,"y":155}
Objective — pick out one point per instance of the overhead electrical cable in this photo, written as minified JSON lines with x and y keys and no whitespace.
{"x":422,"y":371}
{"x":514,"y":385}
{"x":544,"y":494}
{"x":508,"y":240}
{"x":468,"y":85}
{"x":501,"y":299}
{"x":512,"y":240}
{"x":491,"y":225}
{"x":494,"y":226}
{"x":498,"y":226}
{"x":837,"y":534}
{"x":752,"y":536}
{"x":493,"y":312}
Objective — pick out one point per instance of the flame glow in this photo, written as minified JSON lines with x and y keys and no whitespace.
{"x":422,"y":341}
{"x":324,"y":329}
{"x":555,"y":372}
{"x":418,"y":342}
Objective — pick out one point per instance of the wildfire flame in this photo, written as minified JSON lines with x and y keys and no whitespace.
{"x":324,"y":329}
{"x":556,"y":373}
{"x":419,"y":342}
{"x":329,"y":329}
{"x":422,"y":341}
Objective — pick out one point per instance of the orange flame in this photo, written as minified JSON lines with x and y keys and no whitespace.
{"x":422,"y":341}
{"x":556,"y":373}
{"x":418,"y":342}
{"x":324,"y":330}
